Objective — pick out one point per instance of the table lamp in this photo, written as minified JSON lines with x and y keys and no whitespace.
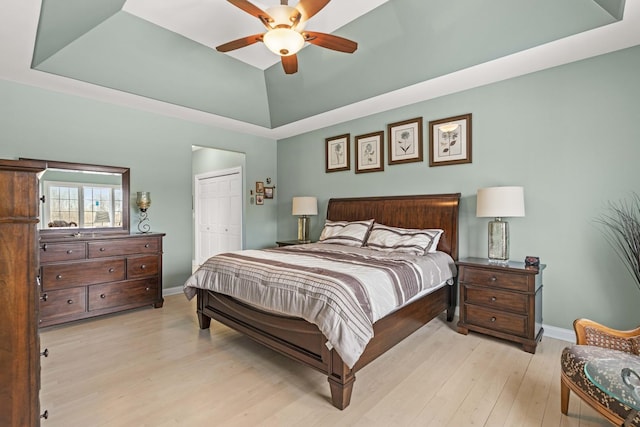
{"x":499,"y":202}
{"x":303,"y":207}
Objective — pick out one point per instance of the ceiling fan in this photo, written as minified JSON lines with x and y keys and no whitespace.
{"x":285,"y":34}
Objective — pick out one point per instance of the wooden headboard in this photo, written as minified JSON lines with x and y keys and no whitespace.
{"x":422,"y":211}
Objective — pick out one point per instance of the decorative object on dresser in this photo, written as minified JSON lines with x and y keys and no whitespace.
{"x":303,"y":207}
{"x":143,"y":201}
{"x":89,"y":276}
{"x":19,"y":341}
{"x":499,"y":202}
{"x":503,"y":301}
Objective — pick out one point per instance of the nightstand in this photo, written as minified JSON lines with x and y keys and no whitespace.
{"x":289,"y":242}
{"x":504,"y":301}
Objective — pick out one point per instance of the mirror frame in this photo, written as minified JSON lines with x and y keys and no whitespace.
{"x":126,"y":197}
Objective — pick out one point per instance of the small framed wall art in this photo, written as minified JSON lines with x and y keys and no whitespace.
{"x":337,"y":153}
{"x":259,"y":199}
{"x":369,"y":152}
{"x":259,"y":187}
{"x":405,"y":141}
{"x":450,"y":141}
{"x":268,"y":192}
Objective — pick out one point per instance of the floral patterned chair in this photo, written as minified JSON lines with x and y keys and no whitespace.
{"x":595,"y":341}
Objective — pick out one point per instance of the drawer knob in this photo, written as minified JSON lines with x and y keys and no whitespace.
{"x":147,"y":289}
{"x":143,"y":266}
{"x":44,"y":297}
{"x":493,"y":278}
{"x":493,"y":319}
{"x":44,"y":247}
{"x":59,"y":276}
{"x":69,"y":301}
{"x":102,"y":249}
{"x":146,"y":245}
{"x":103,"y":296}
{"x":493,"y":299}
{"x":45,"y":353}
{"x":111,"y":270}
{"x":45,"y":415}
{"x":70,"y":251}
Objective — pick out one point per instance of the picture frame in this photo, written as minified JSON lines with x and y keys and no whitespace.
{"x":259,"y":199}
{"x":268,"y":192}
{"x":259,"y":187}
{"x":405,"y":141}
{"x":450,"y":141}
{"x":337,"y":153}
{"x":369,"y":151}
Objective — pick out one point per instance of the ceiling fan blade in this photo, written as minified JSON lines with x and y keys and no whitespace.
{"x":308,"y":8}
{"x":237,"y":44}
{"x":253,"y":10}
{"x":330,"y":41}
{"x":290,"y":64}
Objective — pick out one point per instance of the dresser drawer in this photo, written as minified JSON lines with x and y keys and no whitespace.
{"x":495,"y":279}
{"x":496,"y":320}
{"x":58,"y":276}
{"x":53,"y":252}
{"x":496,"y":299}
{"x":118,"y":247}
{"x":130,"y":292}
{"x":63,"y":303}
{"x":142,"y":266}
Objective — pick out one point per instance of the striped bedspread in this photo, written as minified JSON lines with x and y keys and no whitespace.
{"x":343,"y":290}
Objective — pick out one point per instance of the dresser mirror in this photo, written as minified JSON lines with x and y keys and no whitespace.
{"x":77,"y":199}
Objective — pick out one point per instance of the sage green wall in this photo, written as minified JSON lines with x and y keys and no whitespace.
{"x":37,"y":123}
{"x":569,"y":135}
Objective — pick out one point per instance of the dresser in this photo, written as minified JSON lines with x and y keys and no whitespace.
{"x":91,"y":275}
{"x":19,"y":341}
{"x":503,"y":301}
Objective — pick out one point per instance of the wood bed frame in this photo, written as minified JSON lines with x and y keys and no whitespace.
{"x":303,"y":341}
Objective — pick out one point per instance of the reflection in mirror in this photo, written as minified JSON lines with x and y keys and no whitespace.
{"x":78,"y":198}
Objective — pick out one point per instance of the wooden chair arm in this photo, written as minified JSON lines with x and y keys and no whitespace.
{"x":589,"y":332}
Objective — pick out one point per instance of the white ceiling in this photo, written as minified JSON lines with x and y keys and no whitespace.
{"x":19,"y":23}
{"x":213,"y":22}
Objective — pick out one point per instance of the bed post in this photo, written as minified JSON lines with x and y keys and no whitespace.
{"x":341,"y":380}
{"x":203,"y":320}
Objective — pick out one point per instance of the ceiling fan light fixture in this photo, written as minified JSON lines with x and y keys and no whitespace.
{"x":283,"y":41}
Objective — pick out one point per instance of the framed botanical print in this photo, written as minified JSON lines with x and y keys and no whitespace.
{"x":405,"y":141}
{"x":337,"y":153}
{"x":268,"y":192}
{"x":369,"y":152}
{"x":450,"y":141}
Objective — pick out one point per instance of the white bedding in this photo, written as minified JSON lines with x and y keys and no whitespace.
{"x":343,"y":290}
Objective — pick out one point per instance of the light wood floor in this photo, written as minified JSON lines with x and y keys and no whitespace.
{"x":154,"y":367}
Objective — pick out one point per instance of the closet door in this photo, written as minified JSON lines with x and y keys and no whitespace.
{"x":218,"y":211}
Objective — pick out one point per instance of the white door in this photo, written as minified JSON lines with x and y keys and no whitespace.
{"x":218,"y":213}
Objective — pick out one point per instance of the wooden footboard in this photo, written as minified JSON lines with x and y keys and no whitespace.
{"x":303,"y":341}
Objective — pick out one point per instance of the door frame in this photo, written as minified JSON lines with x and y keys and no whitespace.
{"x":196,"y":200}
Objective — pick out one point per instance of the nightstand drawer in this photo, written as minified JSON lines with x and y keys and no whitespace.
{"x":496,"y":299}
{"x":496,"y":320}
{"x":494,"y":279}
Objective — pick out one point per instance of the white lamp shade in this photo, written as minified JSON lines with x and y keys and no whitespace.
{"x":305,"y":206}
{"x":500,"y":202}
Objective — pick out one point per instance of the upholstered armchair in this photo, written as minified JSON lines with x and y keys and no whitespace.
{"x":595,"y":341}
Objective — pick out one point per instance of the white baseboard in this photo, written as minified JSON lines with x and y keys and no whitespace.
{"x":172,"y":291}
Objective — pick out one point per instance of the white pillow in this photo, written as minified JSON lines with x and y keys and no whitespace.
{"x":405,"y":240}
{"x":348,"y":233}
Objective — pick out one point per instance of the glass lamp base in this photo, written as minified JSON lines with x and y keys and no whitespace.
{"x":303,"y":229}
{"x":498,"y":241}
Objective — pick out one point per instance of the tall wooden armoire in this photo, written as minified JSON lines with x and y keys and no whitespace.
{"x":19,"y":293}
